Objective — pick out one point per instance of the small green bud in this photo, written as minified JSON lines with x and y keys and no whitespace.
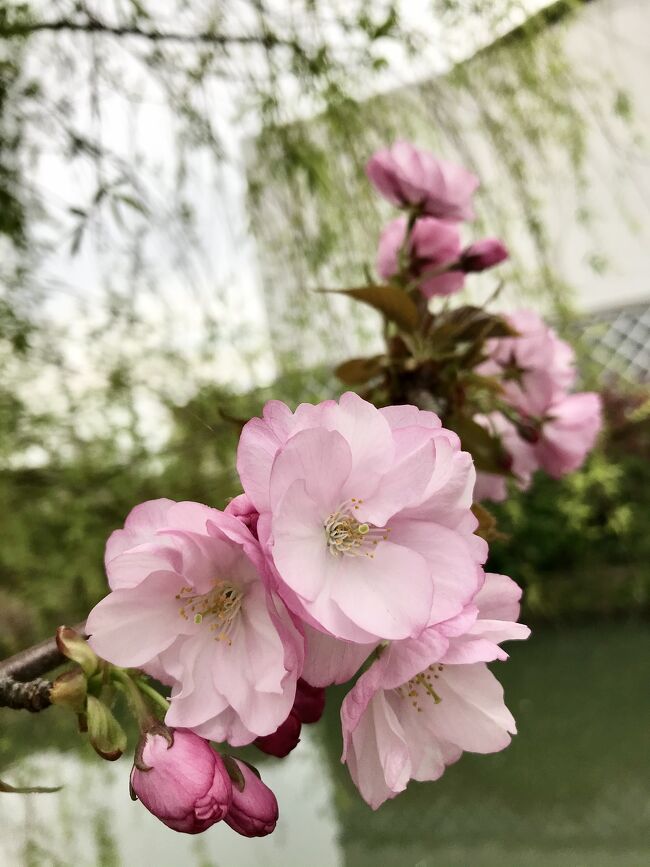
{"x":75,"y":647}
{"x":232,"y":768}
{"x":69,"y":690}
{"x":107,"y":736}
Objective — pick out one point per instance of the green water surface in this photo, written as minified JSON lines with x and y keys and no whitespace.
{"x":573,"y":789}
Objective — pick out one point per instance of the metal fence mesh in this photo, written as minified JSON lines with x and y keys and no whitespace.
{"x":618,"y":341}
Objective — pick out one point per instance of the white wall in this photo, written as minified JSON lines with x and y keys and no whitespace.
{"x":611,"y":37}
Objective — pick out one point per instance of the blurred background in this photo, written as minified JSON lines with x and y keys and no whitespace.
{"x":176,"y":179}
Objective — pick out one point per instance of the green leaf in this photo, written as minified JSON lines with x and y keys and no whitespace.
{"x":28,"y":790}
{"x":391,"y":301}
{"x":107,"y":736}
{"x":487,"y":524}
{"x":134,"y":203}
{"x":487,"y":451}
{"x":387,"y":26}
{"x":77,"y":238}
{"x":471,"y":323}
{"x":487,"y":383}
{"x":357,"y":370}
{"x":623,"y":105}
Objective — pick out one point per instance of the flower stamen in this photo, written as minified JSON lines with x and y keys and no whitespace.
{"x":421,"y":683}
{"x":219,"y":607}
{"x":346,"y":535}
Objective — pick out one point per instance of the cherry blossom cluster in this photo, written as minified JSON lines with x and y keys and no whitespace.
{"x":542,"y":426}
{"x":353,"y":553}
{"x":352,"y":549}
{"x":425,"y":247}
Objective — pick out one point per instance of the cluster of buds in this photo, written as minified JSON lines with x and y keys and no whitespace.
{"x":540,"y":422}
{"x":176,"y":774}
{"x":423,"y":249}
{"x":501,"y":382}
{"x":189,"y":786}
{"x":88,"y":690}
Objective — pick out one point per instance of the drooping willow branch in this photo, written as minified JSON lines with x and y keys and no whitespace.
{"x":93,"y":25}
{"x":22,"y":686}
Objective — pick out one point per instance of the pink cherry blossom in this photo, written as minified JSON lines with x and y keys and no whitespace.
{"x":523,"y":459}
{"x":558,"y":443}
{"x":188,"y":604}
{"x":497,"y":608}
{"x":409,"y":177}
{"x":569,"y":433}
{"x":490,"y":486}
{"x":535,"y":368}
{"x":330,"y":660}
{"x":350,"y":499}
{"x":186,"y":785}
{"x":425,"y":701}
{"x":433,"y":245}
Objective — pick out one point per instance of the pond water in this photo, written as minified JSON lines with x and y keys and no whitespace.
{"x":572,"y":790}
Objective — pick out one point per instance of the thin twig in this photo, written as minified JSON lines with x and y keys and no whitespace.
{"x":93,"y":25}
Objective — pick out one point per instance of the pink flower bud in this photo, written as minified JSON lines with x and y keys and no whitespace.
{"x":432,"y":255}
{"x":283,"y":740}
{"x":309,"y":703}
{"x":187,"y":786}
{"x":529,"y":431}
{"x":483,"y":254}
{"x":254,"y":810}
{"x":409,"y":177}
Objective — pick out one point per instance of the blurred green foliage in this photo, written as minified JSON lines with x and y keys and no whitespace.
{"x":568,"y":792}
{"x":57,"y":517}
{"x":579,"y":545}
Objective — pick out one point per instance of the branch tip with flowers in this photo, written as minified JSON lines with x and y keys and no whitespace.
{"x":357,"y":548}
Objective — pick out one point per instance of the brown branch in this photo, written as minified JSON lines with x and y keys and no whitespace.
{"x":94,"y":25}
{"x":21,"y":684}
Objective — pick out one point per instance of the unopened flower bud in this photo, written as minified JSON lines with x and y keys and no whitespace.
{"x":69,"y":690}
{"x":106,"y":734}
{"x":254,"y":809}
{"x":309,"y":703}
{"x":529,"y":431}
{"x":283,"y":740}
{"x":483,"y":254}
{"x":75,"y":647}
{"x":186,"y":784}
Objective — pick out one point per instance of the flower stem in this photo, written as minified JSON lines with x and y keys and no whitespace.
{"x":153,"y":694}
{"x":140,"y":708}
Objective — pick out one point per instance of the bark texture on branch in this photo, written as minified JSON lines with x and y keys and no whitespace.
{"x":22,"y":686}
